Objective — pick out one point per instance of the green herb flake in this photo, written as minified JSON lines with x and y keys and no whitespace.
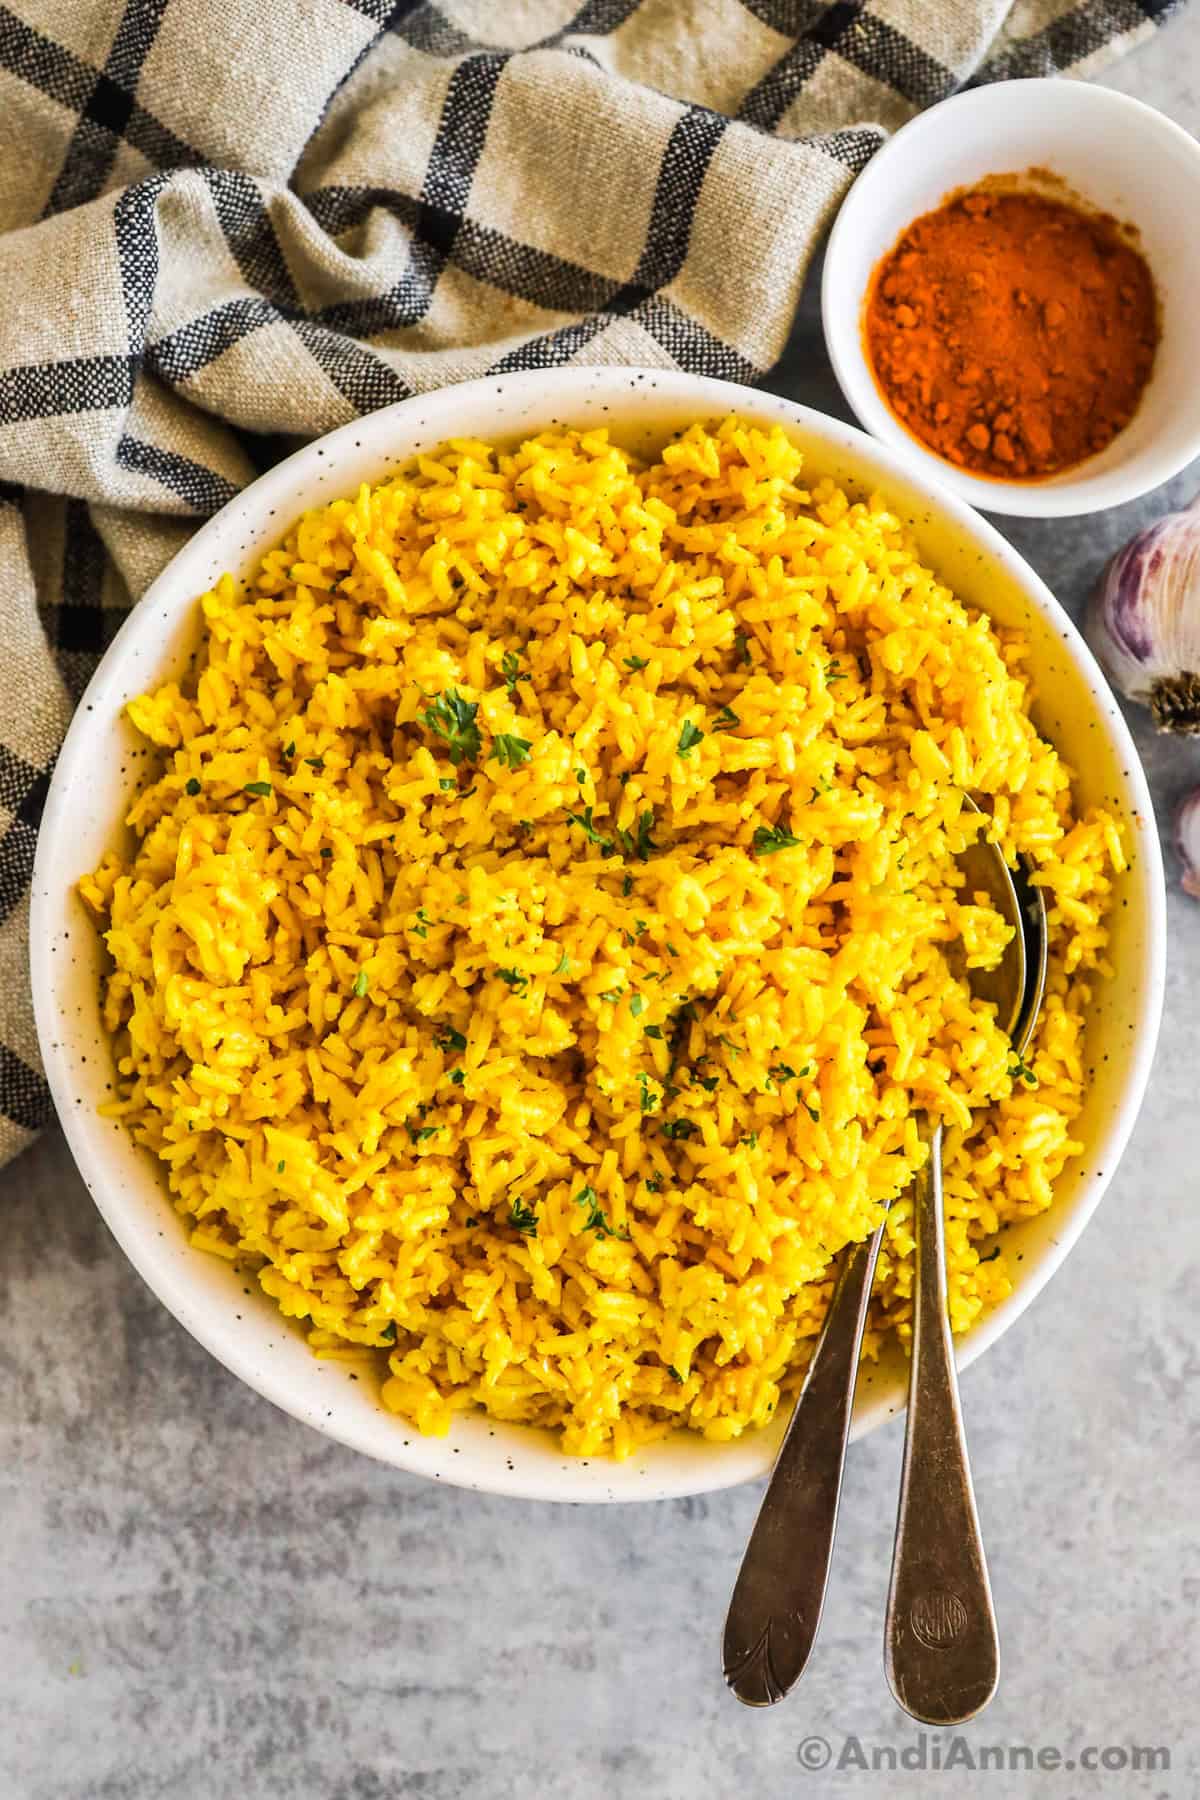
{"x":637,"y":1006}
{"x":673,"y":1372}
{"x":741,"y":645}
{"x":509,"y":750}
{"x":584,"y":822}
{"x":514,"y":979}
{"x":751,"y":1140}
{"x":1019,"y":1070}
{"x":522,"y":1218}
{"x":689,"y":737}
{"x":812,"y":1111}
{"x":649,"y":1100}
{"x":782,"y":1072}
{"x":280,"y":1167}
{"x":289,"y":750}
{"x":192,"y":786}
{"x":446,"y":782}
{"x":360,"y":984}
{"x":612,"y":995}
{"x":654,"y":1031}
{"x":680,"y":1129}
{"x":452,"y":719}
{"x":639,"y":843}
{"x":595,"y":1220}
{"x":726,"y":719}
{"x":259,"y":788}
{"x":636,"y":662}
{"x":388,"y":1334}
{"x":450,"y":1039}
{"x":768,"y":839}
{"x":510,"y":669}
{"x":419,"y":1134}
{"x":326,"y":852}
{"x":315,"y":762}
{"x":421,"y":928}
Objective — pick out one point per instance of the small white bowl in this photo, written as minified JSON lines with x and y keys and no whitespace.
{"x":102,"y":763}
{"x":1119,"y":157}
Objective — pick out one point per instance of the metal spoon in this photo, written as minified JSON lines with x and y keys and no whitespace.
{"x":780,"y":1590}
{"x":941,"y":1647}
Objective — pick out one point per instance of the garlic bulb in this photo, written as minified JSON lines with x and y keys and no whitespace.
{"x":1145,"y":620}
{"x":1187,"y":842}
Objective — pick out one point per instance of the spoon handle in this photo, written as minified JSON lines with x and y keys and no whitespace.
{"x":776,"y":1604}
{"x":942,"y":1653}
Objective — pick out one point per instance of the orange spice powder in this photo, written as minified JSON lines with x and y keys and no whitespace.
{"x":1011,"y":332}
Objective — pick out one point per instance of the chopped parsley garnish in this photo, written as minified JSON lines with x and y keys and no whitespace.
{"x":649,"y":1100}
{"x":388,"y":1334}
{"x":261,"y":788}
{"x":452,"y":719}
{"x":639,"y":843}
{"x":733,"y":1049}
{"x":522,"y":1218}
{"x":193,"y":786}
{"x":446,"y":782}
{"x":680,"y":1128}
{"x":280,"y":1167}
{"x":741,"y":644}
{"x":509,"y":750}
{"x":315,"y":762}
{"x":360,"y":984}
{"x":421,"y":928}
{"x":513,"y":978}
{"x":636,"y":662}
{"x":833,"y":673}
{"x":449,"y":1039}
{"x":751,"y":1140}
{"x":726,"y":719}
{"x":654,"y":1031}
{"x":458,"y":1076}
{"x":326,"y":851}
{"x":707,"y":1082}
{"x":627,"y":886}
{"x":510,"y":669}
{"x":419,"y":1133}
{"x":689,"y":737}
{"x":564,"y":963}
{"x":673,"y":1372}
{"x":581,"y":776}
{"x":1019,"y":1070}
{"x":584,"y":822}
{"x":596,"y":1221}
{"x":782,"y":1072}
{"x":612,"y":995}
{"x":770,"y":838}
{"x":812,"y":1111}
{"x":637,"y":1006}
{"x":289,"y":750}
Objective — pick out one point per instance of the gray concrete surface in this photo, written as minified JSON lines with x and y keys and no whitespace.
{"x":200,"y":1598}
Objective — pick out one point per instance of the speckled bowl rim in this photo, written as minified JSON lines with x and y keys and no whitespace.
{"x":513,"y":1460}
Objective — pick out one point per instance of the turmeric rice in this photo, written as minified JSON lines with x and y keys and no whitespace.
{"x":543,"y":931}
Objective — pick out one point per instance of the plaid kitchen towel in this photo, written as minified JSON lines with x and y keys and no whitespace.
{"x":227,"y":224}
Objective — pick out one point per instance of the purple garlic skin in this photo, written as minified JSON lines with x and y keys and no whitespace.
{"x":1144,"y":622}
{"x":1187,"y":842}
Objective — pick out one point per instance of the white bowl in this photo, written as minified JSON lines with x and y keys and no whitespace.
{"x":1118,"y":156}
{"x":101,"y":763}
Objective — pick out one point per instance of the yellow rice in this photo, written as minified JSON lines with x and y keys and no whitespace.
{"x":554,"y":1079}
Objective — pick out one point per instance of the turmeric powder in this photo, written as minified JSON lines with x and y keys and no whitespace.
{"x":1012,"y":333}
